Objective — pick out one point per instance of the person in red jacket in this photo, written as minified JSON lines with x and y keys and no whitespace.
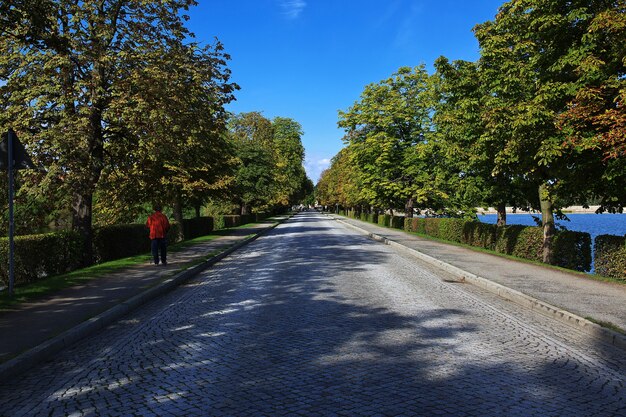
{"x":158,"y":225}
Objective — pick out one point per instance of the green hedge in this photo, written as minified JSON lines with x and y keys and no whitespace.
{"x":572,"y":249}
{"x":521,"y":241}
{"x":397,"y":222}
{"x":384,"y":220}
{"x":610,"y":256}
{"x":39,"y":256}
{"x":482,"y":235}
{"x":198,"y":226}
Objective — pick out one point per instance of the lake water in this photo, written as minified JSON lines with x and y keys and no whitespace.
{"x":594,"y":224}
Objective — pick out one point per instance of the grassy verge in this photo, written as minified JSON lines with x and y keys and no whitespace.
{"x":50,"y":285}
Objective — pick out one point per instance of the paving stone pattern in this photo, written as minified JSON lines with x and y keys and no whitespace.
{"x":315,"y":320}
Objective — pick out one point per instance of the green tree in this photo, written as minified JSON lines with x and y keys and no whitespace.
{"x":174,"y":148}
{"x":530,"y":56}
{"x":289,"y":174}
{"x":470,"y":153}
{"x":252,"y":135}
{"x":387,"y":131}
{"x":63,"y":75}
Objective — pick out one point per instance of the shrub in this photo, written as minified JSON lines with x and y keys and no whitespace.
{"x":451,"y":229}
{"x":397,"y":222}
{"x":198,"y":226}
{"x":480,"y":234}
{"x":572,"y":250}
{"x":431,"y":226}
{"x":610,"y":256}
{"x":38,"y":256}
{"x":119,"y":241}
{"x":521,"y":241}
{"x":384,"y":220}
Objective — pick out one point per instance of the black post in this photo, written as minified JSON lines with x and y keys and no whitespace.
{"x":10,"y":138}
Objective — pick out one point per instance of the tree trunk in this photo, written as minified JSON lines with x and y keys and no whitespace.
{"x":197,"y":207}
{"x":245,"y":209}
{"x":178,"y":216}
{"x":501,"y":209}
{"x":81,"y":222}
{"x":409,"y":208}
{"x":547,"y":221}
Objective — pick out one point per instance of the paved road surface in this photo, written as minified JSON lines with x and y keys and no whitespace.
{"x":313,"y":319}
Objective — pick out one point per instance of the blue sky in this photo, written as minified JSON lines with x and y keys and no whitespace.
{"x":307,"y":59}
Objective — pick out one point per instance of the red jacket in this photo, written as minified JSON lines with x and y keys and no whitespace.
{"x":158,"y":224}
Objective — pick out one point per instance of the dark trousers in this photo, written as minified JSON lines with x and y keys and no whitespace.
{"x":159,"y":245}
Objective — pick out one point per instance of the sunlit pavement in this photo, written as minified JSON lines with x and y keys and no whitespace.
{"x":313,"y":319}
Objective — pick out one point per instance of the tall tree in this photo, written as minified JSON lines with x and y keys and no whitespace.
{"x":62,"y":78}
{"x":387,"y":132}
{"x":173,"y":148}
{"x":530,"y":55}
{"x":289,"y":156}
{"x":253,"y":136}
{"x":470,"y":153}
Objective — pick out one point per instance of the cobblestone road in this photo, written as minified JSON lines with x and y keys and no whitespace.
{"x":314,"y":320}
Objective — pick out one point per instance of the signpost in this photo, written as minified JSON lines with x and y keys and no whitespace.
{"x":12,"y":156}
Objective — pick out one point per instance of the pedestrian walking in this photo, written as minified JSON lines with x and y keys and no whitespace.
{"x":159,"y":225}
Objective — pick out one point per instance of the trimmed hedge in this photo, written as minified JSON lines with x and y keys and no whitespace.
{"x":61,"y":252}
{"x":39,"y":256}
{"x":610,"y":256}
{"x":198,"y":226}
{"x":572,"y":249}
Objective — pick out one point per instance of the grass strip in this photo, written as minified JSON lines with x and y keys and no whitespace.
{"x":50,"y":285}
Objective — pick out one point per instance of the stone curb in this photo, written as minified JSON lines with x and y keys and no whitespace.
{"x":47,"y":349}
{"x":595,"y":330}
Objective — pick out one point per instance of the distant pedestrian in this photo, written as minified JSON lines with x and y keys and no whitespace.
{"x":158,"y":225}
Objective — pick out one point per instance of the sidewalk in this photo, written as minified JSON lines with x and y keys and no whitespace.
{"x":31,"y":332}
{"x":551,"y":291}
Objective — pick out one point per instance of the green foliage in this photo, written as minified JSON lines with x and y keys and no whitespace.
{"x":482,"y":235}
{"x":117,"y":101}
{"x":197,"y":226}
{"x":120,"y":241}
{"x":38,"y":256}
{"x":397,"y":222}
{"x":573,"y":250}
{"x":610,"y":256}
{"x":521,"y":241}
{"x":384,"y":220}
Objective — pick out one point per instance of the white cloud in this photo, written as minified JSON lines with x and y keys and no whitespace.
{"x":292,"y":8}
{"x":315,"y":168}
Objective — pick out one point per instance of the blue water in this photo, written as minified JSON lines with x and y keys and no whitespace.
{"x":594,"y":224}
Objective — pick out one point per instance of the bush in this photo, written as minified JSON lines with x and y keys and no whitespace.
{"x":451,"y":229}
{"x":384,"y":220}
{"x":397,"y":222}
{"x":482,"y":235}
{"x":521,"y":241}
{"x":431,"y":226}
{"x":610,"y":256}
{"x":198,"y":226}
{"x":38,"y":256}
{"x":119,"y":241}
{"x":572,"y":250}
